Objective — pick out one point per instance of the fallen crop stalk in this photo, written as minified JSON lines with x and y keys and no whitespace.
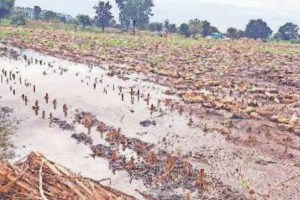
{"x":42,"y":193}
{"x":7,"y":187}
{"x":39,"y":178}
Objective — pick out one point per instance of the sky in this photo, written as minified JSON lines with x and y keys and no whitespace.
{"x":221,"y":13}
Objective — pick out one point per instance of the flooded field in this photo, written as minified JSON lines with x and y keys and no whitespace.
{"x":47,"y":93}
{"x":99,"y":106}
{"x":127,"y":132}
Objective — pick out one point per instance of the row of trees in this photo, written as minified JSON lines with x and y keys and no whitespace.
{"x":192,"y":29}
{"x":18,"y":15}
{"x":255,"y":29}
{"x":49,"y":15}
{"x":258,"y":29}
{"x":133,"y":14}
{"x":197,"y":27}
{"x":136,"y":14}
{"x":6,"y":7}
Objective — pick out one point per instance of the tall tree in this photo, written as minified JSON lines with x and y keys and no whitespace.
{"x":103,"y":14}
{"x":206,"y":28}
{"x":18,"y":18}
{"x":241,"y":34}
{"x":135,"y":12}
{"x":6,"y":7}
{"x":288,"y":31}
{"x":232,"y":33}
{"x":155,"y":26}
{"x":63,"y":19}
{"x":214,"y":29}
{"x":166,"y":26}
{"x":36,"y":12}
{"x":184,"y":29}
{"x":195,"y":27}
{"x":172,"y":28}
{"x":49,"y":15}
{"x":258,"y":29}
{"x":84,"y":20}
{"x":113,"y":23}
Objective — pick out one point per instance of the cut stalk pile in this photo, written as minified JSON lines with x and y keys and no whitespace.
{"x":39,"y":178}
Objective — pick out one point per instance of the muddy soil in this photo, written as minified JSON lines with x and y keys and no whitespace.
{"x":119,"y":127}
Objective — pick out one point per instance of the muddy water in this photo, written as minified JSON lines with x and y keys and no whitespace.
{"x":73,"y":84}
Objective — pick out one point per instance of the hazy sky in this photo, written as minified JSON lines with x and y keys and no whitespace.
{"x":221,"y":13}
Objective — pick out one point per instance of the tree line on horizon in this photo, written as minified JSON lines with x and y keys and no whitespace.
{"x":136,"y":14}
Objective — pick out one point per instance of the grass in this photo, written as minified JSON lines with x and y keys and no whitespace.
{"x":6,"y":130}
{"x":5,"y":22}
{"x":3,"y":35}
{"x":5,"y":145}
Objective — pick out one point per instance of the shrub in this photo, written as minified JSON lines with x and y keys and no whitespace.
{"x":18,"y":18}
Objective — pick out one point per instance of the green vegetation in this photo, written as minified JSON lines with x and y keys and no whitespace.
{"x":5,"y":145}
{"x":6,"y":129}
{"x":103,"y":14}
{"x":258,"y":29}
{"x":184,"y":29}
{"x":289,"y":31}
{"x":37,"y":12}
{"x":84,"y":20}
{"x":155,"y":26}
{"x":233,"y":33}
{"x":176,"y":49}
{"x":135,"y":13}
{"x":3,"y":36}
{"x":6,"y":7}
{"x":18,"y":18}
{"x":194,"y":27}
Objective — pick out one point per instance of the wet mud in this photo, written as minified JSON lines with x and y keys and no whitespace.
{"x":143,"y":137}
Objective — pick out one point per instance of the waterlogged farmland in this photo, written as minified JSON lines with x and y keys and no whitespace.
{"x":158,"y":117}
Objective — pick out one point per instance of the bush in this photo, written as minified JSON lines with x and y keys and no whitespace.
{"x":295,"y":41}
{"x":258,"y":29}
{"x":18,"y":18}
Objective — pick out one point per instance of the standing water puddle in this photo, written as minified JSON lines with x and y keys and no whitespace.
{"x":79,"y":87}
